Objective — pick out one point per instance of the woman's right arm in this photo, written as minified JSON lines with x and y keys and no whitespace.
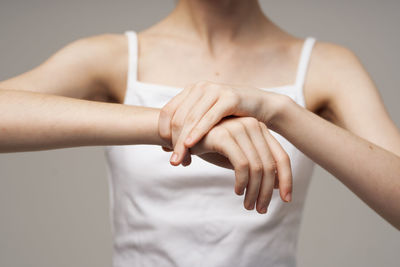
{"x":35,"y":121}
{"x":55,"y":105}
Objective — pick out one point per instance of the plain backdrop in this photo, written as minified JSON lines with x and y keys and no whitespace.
{"x":54,"y":204}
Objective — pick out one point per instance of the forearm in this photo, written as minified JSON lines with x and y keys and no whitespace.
{"x":368,"y":170}
{"x":32,"y":121}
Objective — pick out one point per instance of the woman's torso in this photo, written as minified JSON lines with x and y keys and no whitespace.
{"x":189,"y":216}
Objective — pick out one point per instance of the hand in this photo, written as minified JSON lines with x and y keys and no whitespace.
{"x":259,"y":161}
{"x":187,"y":117}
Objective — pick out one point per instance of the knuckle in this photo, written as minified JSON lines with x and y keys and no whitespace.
{"x":190,"y":118}
{"x":284,"y":158}
{"x":231,"y":100}
{"x":262,"y":125}
{"x":257,"y":168}
{"x":271,"y":167}
{"x":214,"y":147}
{"x":246,"y":121}
{"x":237,"y":126}
{"x":176,"y":123}
{"x":251,"y":122}
{"x":221,"y":133}
{"x":195,"y":132}
{"x":243,"y":164}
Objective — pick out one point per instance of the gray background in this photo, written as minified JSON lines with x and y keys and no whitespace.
{"x":54,"y":204}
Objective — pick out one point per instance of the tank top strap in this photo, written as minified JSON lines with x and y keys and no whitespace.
{"x":132,"y":63}
{"x":303,"y":66}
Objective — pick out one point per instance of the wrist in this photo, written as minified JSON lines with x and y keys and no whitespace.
{"x":280,"y":108}
{"x":144,"y":127}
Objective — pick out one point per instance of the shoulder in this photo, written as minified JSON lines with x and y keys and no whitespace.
{"x":98,"y":44}
{"x":83,"y":68}
{"x":331,"y":68}
{"x":93,"y":55}
{"x":89,"y":50}
{"x":332,"y":56}
{"x":103,"y":58}
{"x":100,"y":52}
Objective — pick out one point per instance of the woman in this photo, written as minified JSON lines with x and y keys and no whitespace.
{"x":257,"y":76}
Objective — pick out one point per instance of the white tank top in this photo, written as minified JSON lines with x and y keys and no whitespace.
{"x":164,"y":215}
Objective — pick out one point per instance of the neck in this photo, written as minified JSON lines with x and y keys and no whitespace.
{"x":218,"y":22}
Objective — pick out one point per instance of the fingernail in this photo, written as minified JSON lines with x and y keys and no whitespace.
{"x":174,"y":157}
{"x":264,"y":210}
{"x":288,"y":197}
{"x":248,"y":206}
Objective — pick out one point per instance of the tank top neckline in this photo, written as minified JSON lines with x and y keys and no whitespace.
{"x":169,"y":90}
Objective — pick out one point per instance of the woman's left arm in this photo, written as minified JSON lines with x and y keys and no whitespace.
{"x":361,"y":144}
{"x":353,"y":138}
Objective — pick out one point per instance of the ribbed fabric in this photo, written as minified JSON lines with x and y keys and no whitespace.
{"x":165,"y":215}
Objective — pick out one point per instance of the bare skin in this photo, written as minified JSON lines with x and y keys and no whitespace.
{"x":82,"y":77}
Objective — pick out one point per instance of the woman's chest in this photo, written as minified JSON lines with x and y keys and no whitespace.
{"x":177,"y":67}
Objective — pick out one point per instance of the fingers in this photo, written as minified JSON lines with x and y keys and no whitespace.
{"x":284,"y":170}
{"x":178,"y":122}
{"x":268,"y":164}
{"x":200,"y":103}
{"x":186,"y":161}
{"x":192,"y":111}
{"x":167,"y":112}
{"x":223,"y":107}
{"x":255,"y":164}
{"x":227,"y":146}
